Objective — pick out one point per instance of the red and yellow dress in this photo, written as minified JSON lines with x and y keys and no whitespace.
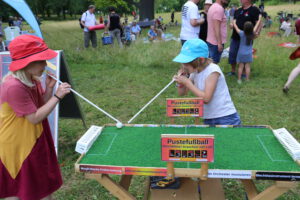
{"x":28,"y":164}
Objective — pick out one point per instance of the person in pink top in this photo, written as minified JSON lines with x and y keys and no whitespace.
{"x":217,"y":29}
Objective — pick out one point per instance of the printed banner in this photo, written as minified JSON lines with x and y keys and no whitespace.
{"x":233,"y":174}
{"x":144,"y":171}
{"x":279,"y":176}
{"x":185,"y":107}
{"x":187,"y":148}
{"x":140,"y":171}
{"x":94,"y":169}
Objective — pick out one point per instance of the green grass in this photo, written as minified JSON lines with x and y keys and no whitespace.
{"x":122,"y":80}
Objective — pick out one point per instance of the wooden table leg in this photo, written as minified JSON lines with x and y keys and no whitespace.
{"x":250,"y":188}
{"x":211,"y":189}
{"x":170,"y":170}
{"x":275,"y":190}
{"x":114,"y":188}
{"x":125,"y":181}
{"x":147,"y":189}
{"x":204,"y":171}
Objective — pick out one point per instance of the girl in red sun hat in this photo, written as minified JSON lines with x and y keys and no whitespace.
{"x":29,"y":168}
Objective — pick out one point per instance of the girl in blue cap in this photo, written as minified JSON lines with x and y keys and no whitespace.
{"x":206,"y":81}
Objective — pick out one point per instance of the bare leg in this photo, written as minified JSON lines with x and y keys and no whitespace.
{"x":240,"y":71}
{"x":11,"y":198}
{"x":294,"y":73}
{"x":248,"y":70}
{"x":233,"y":67}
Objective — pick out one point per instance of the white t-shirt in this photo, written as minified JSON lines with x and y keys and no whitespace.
{"x":89,"y":20}
{"x":285,"y":25}
{"x":189,"y":11}
{"x":220,"y":104}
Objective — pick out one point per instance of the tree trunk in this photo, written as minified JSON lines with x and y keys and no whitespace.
{"x":48,"y":12}
{"x":146,"y":8}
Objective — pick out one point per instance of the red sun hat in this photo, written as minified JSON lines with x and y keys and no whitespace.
{"x":295,"y":54}
{"x":25,"y":49}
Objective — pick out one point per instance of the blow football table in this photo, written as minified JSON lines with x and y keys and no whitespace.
{"x":241,"y":152}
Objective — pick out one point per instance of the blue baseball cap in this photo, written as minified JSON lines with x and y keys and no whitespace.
{"x":192,"y":49}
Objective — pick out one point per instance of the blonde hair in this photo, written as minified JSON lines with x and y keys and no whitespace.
{"x":196,"y":64}
{"x":20,"y":75}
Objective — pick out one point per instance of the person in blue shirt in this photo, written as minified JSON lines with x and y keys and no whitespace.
{"x":135,"y":29}
{"x":152,"y":33}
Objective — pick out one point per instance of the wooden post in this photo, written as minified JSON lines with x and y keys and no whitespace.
{"x":250,"y":188}
{"x":170,"y":170}
{"x":113,"y":187}
{"x":275,"y":190}
{"x":147,"y":189}
{"x":125,"y":181}
{"x":204,"y":171}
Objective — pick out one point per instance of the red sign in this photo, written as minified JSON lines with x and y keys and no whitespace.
{"x":185,"y":107}
{"x":187,"y":148}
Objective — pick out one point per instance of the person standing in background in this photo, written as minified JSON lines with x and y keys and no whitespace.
{"x":172,"y":16}
{"x":18,"y":22}
{"x":216,"y":29}
{"x":88,"y":19}
{"x":10,"y":21}
{"x":190,"y":21}
{"x":247,"y":12}
{"x":203,"y":15}
{"x":114,"y":25}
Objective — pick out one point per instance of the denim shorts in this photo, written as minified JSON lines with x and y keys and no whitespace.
{"x":233,"y":119}
{"x":233,"y":51}
{"x":214,"y":54}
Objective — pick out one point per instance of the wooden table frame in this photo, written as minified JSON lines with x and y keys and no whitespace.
{"x":120,"y":190}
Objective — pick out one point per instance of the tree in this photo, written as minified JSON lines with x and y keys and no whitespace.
{"x":120,"y":5}
{"x":168,"y":5}
{"x":146,"y":8}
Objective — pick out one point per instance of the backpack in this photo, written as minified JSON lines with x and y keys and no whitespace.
{"x":81,"y":26}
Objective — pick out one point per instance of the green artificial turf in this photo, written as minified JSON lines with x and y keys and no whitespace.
{"x":235,"y":148}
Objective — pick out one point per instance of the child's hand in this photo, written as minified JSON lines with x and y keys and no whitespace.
{"x":182,"y":80}
{"x":50,"y":82}
{"x":62,"y":90}
{"x":180,"y":71}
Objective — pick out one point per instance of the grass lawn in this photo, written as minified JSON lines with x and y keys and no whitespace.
{"x":122,"y":80}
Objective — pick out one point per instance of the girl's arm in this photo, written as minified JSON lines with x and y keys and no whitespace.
{"x":236,"y":27}
{"x":210,"y":86}
{"x":46,"y":109}
{"x":258,"y":25}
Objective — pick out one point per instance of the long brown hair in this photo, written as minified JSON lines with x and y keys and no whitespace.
{"x":248,"y":30}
